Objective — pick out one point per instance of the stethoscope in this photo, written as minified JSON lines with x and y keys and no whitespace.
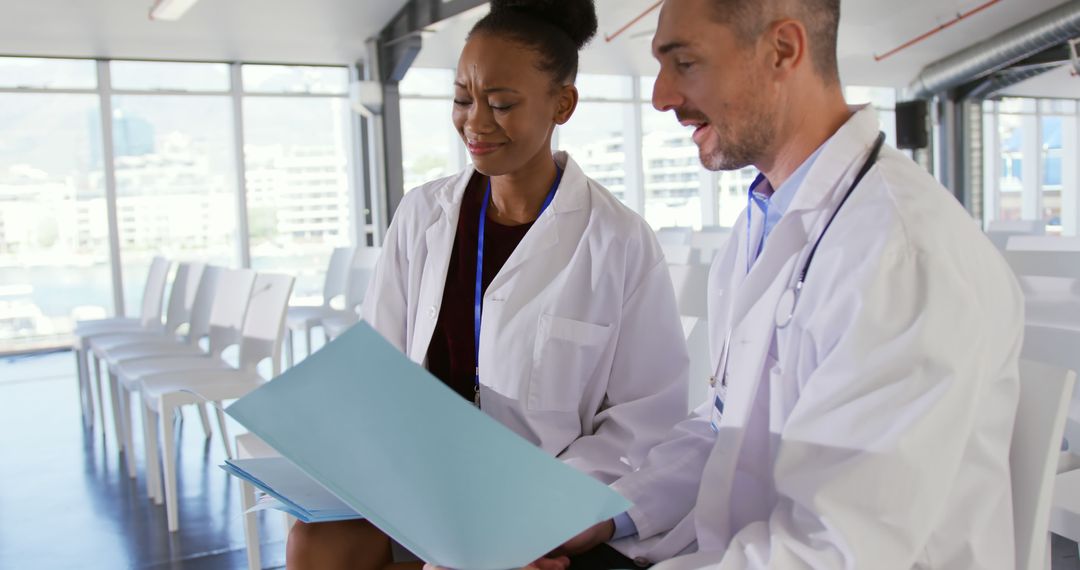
{"x":785,"y":309}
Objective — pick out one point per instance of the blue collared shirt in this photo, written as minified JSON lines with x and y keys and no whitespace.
{"x":774,"y":203}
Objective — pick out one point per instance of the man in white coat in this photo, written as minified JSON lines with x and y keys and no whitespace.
{"x":861,"y":418}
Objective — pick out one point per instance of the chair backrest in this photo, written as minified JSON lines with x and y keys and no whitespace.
{"x":1034,"y":256}
{"x":691,"y":285}
{"x":1018,"y":227}
{"x":264,"y":325}
{"x":230,"y":306}
{"x":680,"y":254}
{"x":709,"y":240}
{"x":696,"y":334}
{"x":674,"y":236}
{"x":199,"y":324}
{"x":182,"y":295}
{"x":154,"y":292}
{"x":1045,"y":391}
{"x":1057,"y":346}
{"x":363,"y":268}
{"x":337,"y":273}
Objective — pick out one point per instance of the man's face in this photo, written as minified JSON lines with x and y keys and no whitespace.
{"x":716,"y":83}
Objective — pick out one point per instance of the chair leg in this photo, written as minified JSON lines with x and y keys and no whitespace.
{"x":251,"y":525}
{"x":205,"y":418}
{"x":168,"y":457}
{"x":150,"y":421}
{"x":118,"y":419}
{"x":129,"y":436}
{"x":289,"y":357}
{"x":224,"y":431}
{"x":100,"y":393}
{"x":86,"y":394}
{"x":307,"y":340}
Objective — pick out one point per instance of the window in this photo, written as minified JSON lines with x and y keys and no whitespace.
{"x":295,"y":79}
{"x":33,"y":73}
{"x":672,"y":171}
{"x":296,"y":156}
{"x":595,"y":137}
{"x":175,"y":182}
{"x":169,"y":76}
{"x":1011,"y":157}
{"x":430,"y":145}
{"x":54,"y":238}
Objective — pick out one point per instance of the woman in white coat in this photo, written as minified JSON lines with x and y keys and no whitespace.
{"x":580,"y":344}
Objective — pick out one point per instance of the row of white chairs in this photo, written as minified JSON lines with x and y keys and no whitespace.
{"x":346,"y":280}
{"x":230,"y":308}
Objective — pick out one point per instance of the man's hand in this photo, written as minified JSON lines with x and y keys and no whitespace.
{"x":588,"y":539}
{"x":559,"y":558}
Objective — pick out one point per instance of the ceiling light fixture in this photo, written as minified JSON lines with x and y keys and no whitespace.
{"x":170,"y":10}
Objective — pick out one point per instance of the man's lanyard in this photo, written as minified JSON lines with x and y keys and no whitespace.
{"x":478,"y":307}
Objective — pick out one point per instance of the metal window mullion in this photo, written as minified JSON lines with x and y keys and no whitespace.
{"x":109,"y":165}
{"x":357,"y":195}
{"x":243,"y":237}
{"x":635,"y":175}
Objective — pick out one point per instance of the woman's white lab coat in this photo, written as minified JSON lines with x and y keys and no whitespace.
{"x":581,"y":347}
{"x":874,"y":430}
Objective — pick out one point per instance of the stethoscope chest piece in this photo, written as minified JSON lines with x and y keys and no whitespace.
{"x":785,"y":308}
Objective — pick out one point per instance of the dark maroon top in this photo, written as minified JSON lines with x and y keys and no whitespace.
{"x":451,"y":355}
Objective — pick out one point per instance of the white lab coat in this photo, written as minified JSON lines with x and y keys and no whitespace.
{"x":873,"y":431}
{"x":581,"y":346}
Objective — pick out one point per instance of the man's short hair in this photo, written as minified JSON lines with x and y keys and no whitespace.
{"x":821,"y":17}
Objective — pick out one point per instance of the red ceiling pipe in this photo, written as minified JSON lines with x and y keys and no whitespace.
{"x":950,"y":23}
{"x":632,"y":22}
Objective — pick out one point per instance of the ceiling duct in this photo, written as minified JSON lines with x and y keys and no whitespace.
{"x":1054,"y":27}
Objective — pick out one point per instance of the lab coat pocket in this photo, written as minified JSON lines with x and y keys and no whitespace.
{"x":566,"y":354}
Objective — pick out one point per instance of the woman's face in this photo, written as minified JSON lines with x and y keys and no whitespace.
{"x":505,"y":107}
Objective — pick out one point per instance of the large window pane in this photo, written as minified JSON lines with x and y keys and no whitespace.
{"x":54,"y":253}
{"x":298,"y":191}
{"x":36,"y":73}
{"x":672,"y":171}
{"x":1052,"y":128}
{"x":423,"y":82}
{"x":171,"y":76}
{"x":604,"y":86}
{"x":430,"y":147}
{"x":1011,"y":175}
{"x":175,"y":183}
{"x":595,"y":137}
{"x":295,"y":79}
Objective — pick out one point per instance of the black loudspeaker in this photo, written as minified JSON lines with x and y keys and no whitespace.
{"x":911,"y":119}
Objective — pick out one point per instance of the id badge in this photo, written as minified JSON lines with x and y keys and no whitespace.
{"x":719,"y":395}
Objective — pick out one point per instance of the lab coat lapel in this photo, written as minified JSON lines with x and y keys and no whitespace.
{"x":439,"y":238}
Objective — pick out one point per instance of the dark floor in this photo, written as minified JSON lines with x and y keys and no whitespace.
{"x":66,"y":503}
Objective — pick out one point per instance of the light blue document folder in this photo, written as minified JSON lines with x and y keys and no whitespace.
{"x":297,"y":494}
{"x":443,"y":479}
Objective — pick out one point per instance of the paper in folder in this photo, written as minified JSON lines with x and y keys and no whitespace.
{"x":395,"y":444}
{"x":294,"y":492}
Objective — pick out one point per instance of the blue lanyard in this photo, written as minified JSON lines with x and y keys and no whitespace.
{"x":478,"y":306}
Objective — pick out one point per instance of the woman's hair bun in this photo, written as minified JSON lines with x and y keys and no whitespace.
{"x":575,"y":17}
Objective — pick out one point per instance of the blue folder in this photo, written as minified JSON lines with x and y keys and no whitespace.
{"x":443,"y":479}
{"x":295,"y":492}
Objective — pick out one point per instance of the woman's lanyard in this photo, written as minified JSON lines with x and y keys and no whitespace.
{"x":478,"y":306}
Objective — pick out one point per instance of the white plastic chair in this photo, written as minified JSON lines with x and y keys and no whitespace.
{"x":1045,"y":391}
{"x":181,"y":298}
{"x":1048,"y":268}
{"x":691,"y":289}
{"x":149,"y":319}
{"x":249,"y":446}
{"x":359,"y":278}
{"x":696,"y":333}
{"x":302,"y":318}
{"x":231,"y":293}
{"x":163,"y":394}
{"x":680,"y":254}
{"x":674,"y":236}
{"x":999,"y":231}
